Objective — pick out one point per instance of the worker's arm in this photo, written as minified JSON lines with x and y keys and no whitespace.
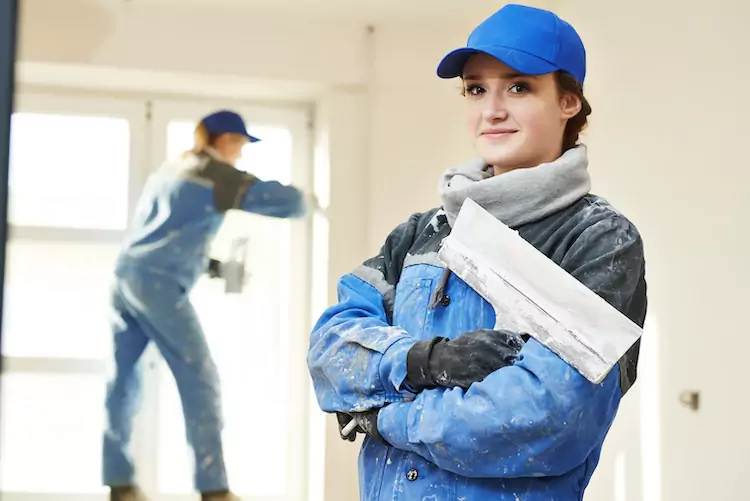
{"x":538,"y":417}
{"x":271,"y":198}
{"x":236,"y":189}
{"x":357,"y":359}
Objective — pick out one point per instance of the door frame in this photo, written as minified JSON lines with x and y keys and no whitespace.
{"x":62,"y":102}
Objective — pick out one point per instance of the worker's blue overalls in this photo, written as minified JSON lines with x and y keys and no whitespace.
{"x":180,"y":211}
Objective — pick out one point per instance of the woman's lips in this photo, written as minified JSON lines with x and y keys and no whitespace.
{"x":499,"y":132}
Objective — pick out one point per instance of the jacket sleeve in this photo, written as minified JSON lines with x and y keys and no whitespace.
{"x":357,"y":358}
{"x":271,"y":198}
{"x":539,"y":417}
{"x":236,"y":189}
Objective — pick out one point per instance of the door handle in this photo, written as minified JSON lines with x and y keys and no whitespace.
{"x":690,"y":399}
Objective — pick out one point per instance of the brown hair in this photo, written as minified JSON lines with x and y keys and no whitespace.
{"x":202,"y":139}
{"x":567,"y":84}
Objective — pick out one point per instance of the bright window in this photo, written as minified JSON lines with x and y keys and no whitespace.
{"x":57,"y":299}
{"x":69,"y":171}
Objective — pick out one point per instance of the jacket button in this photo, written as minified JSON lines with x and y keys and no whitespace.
{"x":412,"y":475}
{"x":446,"y":300}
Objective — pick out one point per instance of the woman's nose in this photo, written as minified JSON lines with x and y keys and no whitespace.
{"x":495,"y":110}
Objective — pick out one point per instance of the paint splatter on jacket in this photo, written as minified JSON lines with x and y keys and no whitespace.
{"x":532,"y":431}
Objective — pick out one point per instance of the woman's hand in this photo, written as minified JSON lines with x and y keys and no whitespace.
{"x":462,"y":361}
{"x":364,"y":422}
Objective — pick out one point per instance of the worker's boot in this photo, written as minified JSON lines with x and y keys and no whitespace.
{"x":126,"y":493}
{"x":219,"y":496}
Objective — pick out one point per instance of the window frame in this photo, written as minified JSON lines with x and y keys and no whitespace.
{"x":72,"y":104}
{"x":147,"y":150}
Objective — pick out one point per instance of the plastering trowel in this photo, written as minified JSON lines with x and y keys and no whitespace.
{"x":233,"y":270}
{"x":533,"y":295}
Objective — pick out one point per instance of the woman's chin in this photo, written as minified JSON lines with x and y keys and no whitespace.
{"x":503,"y":162}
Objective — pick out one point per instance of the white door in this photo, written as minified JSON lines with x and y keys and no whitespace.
{"x":258,"y":337}
{"x":76,"y":171}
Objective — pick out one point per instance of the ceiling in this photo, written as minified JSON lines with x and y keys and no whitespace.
{"x":372,"y":10}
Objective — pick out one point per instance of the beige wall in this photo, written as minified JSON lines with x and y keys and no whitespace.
{"x":669,"y":146}
{"x":417,"y":129}
{"x":167,"y":38}
{"x":666,"y":144}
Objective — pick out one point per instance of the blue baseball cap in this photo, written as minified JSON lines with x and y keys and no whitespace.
{"x":227,"y":122}
{"x":529,"y":40}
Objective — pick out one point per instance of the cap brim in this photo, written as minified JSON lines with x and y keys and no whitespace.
{"x":452,"y":65}
{"x":252,"y":139}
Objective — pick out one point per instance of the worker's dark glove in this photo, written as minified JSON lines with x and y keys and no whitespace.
{"x":367,"y":423}
{"x":214,"y":268}
{"x":467,"y":359}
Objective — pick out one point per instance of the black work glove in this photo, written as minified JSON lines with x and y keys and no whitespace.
{"x":367,"y":423}
{"x":467,"y":359}
{"x":214,"y":268}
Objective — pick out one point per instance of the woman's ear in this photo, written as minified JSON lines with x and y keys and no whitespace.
{"x":570,"y":104}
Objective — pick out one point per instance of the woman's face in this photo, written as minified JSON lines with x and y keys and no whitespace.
{"x":229,"y":146}
{"x":516,"y":120}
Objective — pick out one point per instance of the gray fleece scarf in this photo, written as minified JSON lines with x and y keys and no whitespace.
{"x":520,"y":196}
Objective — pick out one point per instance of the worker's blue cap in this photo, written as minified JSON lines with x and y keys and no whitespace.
{"x":227,"y":122}
{"x":531,"y":41}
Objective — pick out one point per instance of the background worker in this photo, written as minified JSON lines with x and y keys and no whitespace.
{"x":179,"y":212}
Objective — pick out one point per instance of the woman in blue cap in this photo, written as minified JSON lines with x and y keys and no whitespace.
{"x":452,"y":409}
{"x":179,"y":212}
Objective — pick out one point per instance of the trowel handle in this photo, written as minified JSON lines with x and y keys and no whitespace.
{"x":350,"y":427}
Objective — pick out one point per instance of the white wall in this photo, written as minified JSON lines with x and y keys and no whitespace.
{"x":345,"y":140}
{"x":668,"y":84}
{"x":416,"y":128}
